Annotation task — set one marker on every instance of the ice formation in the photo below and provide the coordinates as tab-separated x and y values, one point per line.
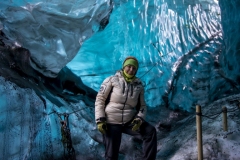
55	54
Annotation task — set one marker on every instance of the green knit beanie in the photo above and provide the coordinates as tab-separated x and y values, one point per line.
131	61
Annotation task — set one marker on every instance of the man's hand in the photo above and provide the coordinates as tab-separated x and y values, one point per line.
136	124
102	127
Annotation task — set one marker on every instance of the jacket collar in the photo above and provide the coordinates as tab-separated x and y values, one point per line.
120	74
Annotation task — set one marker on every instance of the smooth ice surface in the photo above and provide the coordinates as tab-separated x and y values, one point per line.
52	30
55	54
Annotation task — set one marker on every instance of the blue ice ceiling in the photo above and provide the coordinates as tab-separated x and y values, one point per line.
63	50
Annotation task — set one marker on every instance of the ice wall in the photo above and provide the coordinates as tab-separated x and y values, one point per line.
230	55
176	42
183	61
53	31
30	128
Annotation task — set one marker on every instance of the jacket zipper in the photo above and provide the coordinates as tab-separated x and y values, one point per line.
125	102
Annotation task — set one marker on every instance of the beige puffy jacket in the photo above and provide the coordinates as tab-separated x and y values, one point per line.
123	100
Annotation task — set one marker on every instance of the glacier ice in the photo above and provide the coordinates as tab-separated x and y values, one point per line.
55	54
53	31
163	37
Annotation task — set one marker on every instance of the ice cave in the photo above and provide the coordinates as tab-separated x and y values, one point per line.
54	55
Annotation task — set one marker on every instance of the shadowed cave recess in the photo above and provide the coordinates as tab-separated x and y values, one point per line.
54	56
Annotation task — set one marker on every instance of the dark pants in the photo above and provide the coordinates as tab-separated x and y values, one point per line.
112	140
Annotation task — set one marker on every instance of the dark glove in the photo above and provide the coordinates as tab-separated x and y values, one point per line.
102	127
136	124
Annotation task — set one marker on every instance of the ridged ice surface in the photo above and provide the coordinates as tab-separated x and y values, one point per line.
176	44
55	54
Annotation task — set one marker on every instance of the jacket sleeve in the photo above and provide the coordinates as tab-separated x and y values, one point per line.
143	108
101	98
